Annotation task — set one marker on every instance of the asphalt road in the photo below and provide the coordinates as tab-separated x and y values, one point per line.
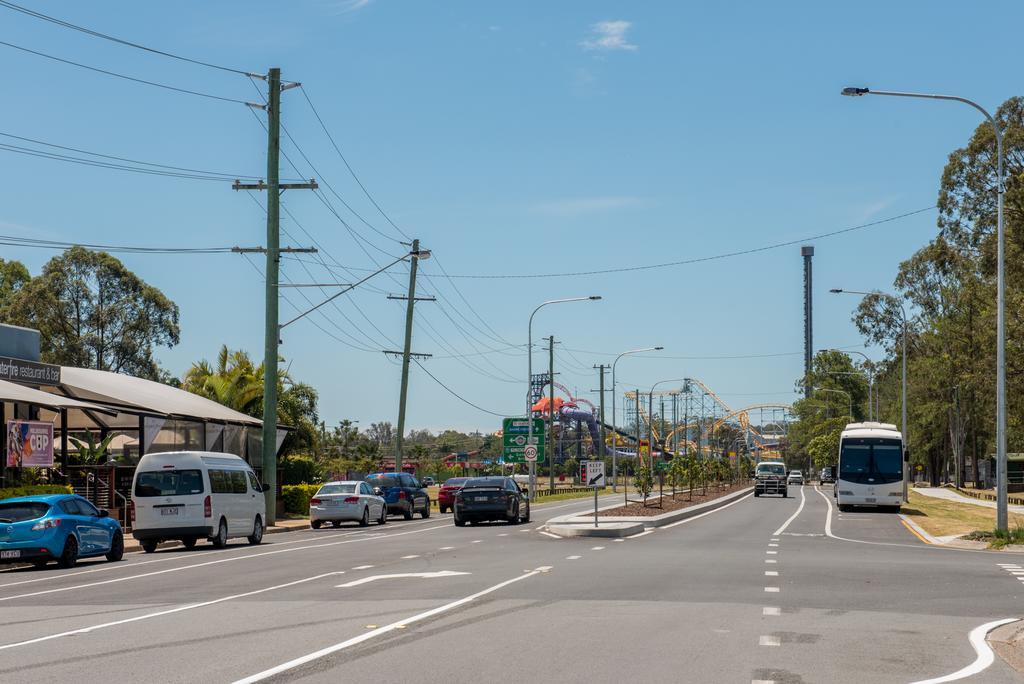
856	598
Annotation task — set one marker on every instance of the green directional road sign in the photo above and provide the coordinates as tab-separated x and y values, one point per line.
515	431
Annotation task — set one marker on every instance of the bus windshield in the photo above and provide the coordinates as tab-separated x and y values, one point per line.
871	460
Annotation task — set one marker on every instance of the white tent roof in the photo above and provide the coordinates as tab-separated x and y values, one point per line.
15	393
146	396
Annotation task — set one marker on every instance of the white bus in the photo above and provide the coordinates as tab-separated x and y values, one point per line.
870	467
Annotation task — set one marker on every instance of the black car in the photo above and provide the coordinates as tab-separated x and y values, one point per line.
401	492
491	498
828	474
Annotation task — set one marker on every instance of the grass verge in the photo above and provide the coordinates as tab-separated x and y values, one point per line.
940	518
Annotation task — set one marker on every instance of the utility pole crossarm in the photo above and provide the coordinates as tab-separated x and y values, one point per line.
311	185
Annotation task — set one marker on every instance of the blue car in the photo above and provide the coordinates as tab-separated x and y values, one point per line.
56	527
401	492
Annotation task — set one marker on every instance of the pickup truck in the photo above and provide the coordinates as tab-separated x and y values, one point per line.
770	478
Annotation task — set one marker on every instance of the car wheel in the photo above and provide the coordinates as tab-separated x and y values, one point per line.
364	521
69	556
843	508
116	552
785	494
426	509
257	531
459	522
525	518
149	545
757	493
514	518
189	542
383	516
221	540
40	562
408	514
315	524
335	523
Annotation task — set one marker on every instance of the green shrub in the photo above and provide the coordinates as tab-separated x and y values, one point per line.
300	469
296	497
33	490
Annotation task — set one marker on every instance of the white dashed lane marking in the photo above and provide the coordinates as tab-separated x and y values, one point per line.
410	557
772	590
772	553
771	573
770	560
769	640
573	557
773	545
597	548
362	567
771	610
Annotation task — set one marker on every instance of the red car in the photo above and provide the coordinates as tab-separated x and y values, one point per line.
446	495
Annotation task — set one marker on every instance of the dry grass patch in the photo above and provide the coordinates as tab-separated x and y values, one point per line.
940	517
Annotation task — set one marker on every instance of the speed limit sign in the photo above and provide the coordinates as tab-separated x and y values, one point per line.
530	453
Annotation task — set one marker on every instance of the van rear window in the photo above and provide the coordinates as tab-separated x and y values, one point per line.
168	483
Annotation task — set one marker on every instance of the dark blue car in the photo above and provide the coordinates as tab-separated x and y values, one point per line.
56	527
401	492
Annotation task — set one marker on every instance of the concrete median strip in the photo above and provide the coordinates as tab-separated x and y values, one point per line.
582	525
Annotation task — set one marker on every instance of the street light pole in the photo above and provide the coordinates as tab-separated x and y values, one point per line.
1001	497
870	373
529	379
615	433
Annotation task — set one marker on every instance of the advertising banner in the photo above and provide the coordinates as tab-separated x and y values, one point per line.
29	444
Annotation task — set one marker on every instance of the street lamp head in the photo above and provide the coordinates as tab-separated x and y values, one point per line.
420	254
836	290
594	298
856	92
658	348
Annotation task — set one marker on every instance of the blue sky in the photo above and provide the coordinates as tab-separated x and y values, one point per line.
511	138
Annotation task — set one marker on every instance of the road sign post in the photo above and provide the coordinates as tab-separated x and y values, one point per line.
593	472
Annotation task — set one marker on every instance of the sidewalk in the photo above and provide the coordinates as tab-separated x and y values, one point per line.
132	545
952	495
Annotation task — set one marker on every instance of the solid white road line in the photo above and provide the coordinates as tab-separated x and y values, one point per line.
769	640
216	562
771	610
548	534
169	611
985	655
399	575
645	532
803	500
316	655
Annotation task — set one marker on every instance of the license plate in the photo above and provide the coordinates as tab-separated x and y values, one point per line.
168	511
869	499
10	554
481	498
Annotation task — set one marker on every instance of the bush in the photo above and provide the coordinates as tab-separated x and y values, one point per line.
33	490
296	497
299	469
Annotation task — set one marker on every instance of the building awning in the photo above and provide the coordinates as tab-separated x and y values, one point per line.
20	394
137	395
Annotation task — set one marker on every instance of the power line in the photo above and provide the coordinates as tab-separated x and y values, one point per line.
456	394
18	241
709	358
349	166
167	169
124	76
104	36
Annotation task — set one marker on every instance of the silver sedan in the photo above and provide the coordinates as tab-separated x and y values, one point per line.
336	502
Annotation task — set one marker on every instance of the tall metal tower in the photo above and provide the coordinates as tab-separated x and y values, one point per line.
807	252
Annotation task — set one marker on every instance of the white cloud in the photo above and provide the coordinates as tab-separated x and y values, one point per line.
579	206
608	36
346	6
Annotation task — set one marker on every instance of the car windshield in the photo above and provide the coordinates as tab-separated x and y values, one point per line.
484	482
383	481
347	488
168	483
871	459
455	481
19	511
771	469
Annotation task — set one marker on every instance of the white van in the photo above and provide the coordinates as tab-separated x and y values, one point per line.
192	495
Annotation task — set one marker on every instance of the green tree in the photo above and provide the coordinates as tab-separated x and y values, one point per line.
13	277
643	480
93	312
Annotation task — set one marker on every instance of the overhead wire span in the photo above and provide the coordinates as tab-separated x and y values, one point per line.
158	169
348	166
456	394
17	241
104	36
125	76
